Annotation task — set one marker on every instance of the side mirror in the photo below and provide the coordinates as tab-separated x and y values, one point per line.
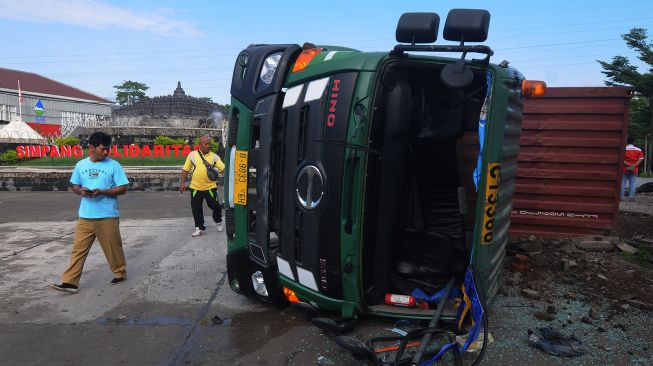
467	25
418	28
463	25
456	76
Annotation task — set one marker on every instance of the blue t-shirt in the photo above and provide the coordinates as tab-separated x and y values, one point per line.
103	174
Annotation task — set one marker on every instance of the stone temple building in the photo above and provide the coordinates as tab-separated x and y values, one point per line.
176	116
176	110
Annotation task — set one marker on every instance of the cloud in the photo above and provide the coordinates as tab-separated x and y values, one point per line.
96	15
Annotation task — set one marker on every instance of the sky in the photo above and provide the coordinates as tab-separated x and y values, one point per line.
96	44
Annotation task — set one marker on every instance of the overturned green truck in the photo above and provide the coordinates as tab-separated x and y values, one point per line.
355	175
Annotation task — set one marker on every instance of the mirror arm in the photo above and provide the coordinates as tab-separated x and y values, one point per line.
401	48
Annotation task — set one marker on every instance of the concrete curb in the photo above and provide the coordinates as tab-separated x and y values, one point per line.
57	179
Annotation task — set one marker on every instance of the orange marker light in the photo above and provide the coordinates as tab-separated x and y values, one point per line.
305	58
290	295
395	348
533	88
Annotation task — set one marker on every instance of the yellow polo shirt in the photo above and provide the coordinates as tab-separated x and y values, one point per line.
200	180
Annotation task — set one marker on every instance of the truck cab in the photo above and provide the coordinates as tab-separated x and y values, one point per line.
353	175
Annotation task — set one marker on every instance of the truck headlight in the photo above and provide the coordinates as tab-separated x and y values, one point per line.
258	283
270	67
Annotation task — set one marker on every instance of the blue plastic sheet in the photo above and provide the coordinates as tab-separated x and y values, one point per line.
421	295
482	122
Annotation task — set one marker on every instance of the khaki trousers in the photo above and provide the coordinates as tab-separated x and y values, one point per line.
107	232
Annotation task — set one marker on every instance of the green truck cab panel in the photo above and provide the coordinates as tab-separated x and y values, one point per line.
333	60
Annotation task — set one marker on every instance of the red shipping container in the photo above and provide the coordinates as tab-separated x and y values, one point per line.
569	164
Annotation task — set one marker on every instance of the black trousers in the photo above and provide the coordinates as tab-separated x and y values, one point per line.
197	201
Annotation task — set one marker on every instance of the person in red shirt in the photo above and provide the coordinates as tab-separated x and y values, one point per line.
633	157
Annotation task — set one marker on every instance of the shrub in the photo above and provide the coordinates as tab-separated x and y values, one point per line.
9	157
70	140
165	140
214	145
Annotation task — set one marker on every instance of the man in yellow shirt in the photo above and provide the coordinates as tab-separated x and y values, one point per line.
201	187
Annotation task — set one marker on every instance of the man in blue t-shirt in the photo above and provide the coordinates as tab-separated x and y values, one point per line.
99	180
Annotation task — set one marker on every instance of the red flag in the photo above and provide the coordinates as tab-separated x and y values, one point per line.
20	94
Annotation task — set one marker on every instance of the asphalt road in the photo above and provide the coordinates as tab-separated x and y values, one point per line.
175	307
62	206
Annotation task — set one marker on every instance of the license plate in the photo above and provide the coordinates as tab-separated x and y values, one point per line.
240	178
491	198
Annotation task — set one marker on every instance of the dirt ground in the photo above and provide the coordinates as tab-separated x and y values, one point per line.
611	275
586	287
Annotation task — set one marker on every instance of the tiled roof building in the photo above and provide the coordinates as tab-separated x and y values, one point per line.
50	107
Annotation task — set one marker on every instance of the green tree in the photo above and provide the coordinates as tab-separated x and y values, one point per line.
206	99
130	92
620	72
640	114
